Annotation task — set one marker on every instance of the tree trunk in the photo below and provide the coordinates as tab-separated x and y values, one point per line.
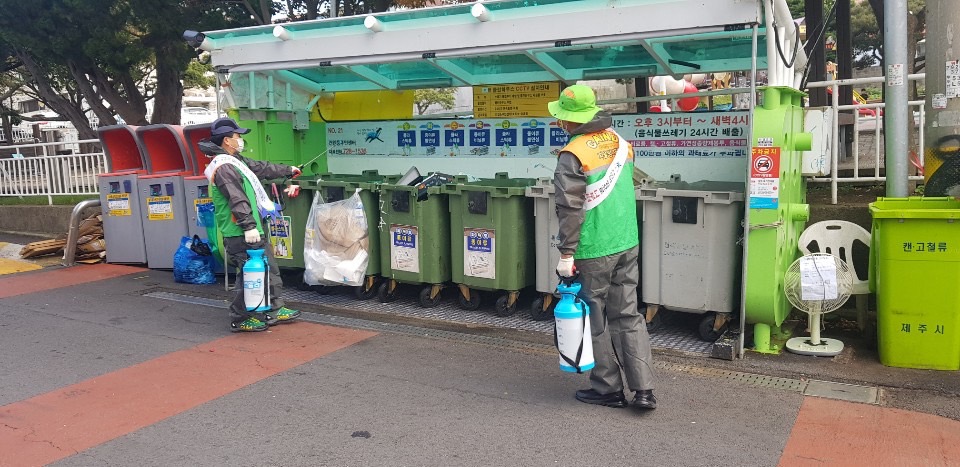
313	8
169	96
54	99
104	115
265	11
7	126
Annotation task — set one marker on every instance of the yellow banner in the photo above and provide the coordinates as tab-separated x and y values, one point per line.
514	100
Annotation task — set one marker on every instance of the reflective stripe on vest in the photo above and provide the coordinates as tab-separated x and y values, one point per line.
600	189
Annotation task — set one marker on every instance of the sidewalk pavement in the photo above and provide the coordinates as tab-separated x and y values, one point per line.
99	369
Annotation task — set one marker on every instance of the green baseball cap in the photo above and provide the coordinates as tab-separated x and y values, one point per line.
576	104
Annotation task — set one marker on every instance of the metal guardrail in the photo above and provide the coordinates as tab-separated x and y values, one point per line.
868	119
70	249
37	170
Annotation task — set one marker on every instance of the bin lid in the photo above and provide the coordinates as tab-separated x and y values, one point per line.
915	207
710	191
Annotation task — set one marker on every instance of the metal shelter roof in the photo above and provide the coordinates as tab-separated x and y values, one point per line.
498	42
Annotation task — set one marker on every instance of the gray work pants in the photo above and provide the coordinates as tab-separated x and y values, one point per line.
237	253
620	340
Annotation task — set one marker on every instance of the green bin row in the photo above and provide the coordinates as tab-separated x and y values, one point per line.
477	235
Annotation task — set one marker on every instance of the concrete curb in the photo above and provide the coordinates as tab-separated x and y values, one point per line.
38	220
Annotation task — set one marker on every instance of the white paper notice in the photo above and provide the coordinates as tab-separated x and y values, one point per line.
953	79
939	101
895	74
818	278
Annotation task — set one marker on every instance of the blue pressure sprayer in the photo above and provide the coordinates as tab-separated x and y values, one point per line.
572	333
256	291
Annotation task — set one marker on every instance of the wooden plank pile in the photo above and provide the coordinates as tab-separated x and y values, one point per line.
91	248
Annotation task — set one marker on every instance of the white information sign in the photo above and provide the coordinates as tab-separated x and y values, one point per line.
895	74
479	253
939	101
404	248
715	135
953	79
818	278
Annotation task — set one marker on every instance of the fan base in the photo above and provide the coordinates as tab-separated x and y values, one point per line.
827	347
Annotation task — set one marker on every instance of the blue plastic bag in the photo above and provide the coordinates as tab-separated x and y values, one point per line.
190	267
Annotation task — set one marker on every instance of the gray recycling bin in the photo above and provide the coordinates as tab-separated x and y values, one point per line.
119	195
690	256
547	255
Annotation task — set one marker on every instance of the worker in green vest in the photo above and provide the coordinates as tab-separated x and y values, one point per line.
240	207
598	238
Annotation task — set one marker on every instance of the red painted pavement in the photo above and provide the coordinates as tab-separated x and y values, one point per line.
19	284
830	432
61	423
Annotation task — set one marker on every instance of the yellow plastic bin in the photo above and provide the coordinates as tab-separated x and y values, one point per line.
915	272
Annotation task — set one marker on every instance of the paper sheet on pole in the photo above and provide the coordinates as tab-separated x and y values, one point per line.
895	74
818	278
953	79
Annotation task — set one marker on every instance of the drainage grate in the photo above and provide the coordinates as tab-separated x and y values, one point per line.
827	389
677	336
749	379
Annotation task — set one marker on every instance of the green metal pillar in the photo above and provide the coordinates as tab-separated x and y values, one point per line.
774	229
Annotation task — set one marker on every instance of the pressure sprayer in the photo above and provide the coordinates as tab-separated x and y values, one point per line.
256	293
572	334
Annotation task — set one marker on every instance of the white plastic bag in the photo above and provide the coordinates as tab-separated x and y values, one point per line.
335	244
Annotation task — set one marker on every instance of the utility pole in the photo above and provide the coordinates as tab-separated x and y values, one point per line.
818	66
942	106
897	114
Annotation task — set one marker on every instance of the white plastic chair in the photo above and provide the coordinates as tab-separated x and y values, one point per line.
837	238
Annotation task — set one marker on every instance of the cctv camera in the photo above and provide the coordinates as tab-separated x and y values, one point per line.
197	40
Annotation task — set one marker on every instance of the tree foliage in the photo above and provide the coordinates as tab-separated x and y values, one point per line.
198	75
424	98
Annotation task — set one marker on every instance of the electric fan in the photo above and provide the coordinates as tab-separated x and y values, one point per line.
816	284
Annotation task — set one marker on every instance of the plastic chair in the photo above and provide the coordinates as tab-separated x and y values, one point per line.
837	238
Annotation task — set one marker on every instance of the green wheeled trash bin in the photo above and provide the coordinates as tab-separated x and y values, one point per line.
287	232
414	241
915	272
491	240
337	187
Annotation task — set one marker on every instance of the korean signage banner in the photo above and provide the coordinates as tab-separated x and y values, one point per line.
698	135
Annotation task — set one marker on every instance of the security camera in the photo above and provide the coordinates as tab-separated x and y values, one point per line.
197	39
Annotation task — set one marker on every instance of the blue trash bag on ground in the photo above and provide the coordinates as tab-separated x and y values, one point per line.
194	263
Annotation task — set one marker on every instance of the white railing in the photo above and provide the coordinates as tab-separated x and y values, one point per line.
20	135
867	124
36	170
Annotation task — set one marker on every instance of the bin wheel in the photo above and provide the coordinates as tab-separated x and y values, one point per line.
425	300
473	304
537	311
706	330
364	293
501	308
656	323
384	294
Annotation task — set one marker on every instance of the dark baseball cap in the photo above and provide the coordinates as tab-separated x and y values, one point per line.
226	126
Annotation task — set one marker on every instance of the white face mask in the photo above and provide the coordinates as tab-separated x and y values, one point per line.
239	144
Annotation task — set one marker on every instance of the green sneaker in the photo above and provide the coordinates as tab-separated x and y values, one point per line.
283	315
250	324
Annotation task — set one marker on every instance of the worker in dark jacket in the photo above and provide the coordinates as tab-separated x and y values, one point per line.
240	207
597	213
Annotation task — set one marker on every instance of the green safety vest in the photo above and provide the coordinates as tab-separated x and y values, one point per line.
611	226
221	205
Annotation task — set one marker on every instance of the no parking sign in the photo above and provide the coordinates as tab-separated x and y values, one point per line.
764	177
